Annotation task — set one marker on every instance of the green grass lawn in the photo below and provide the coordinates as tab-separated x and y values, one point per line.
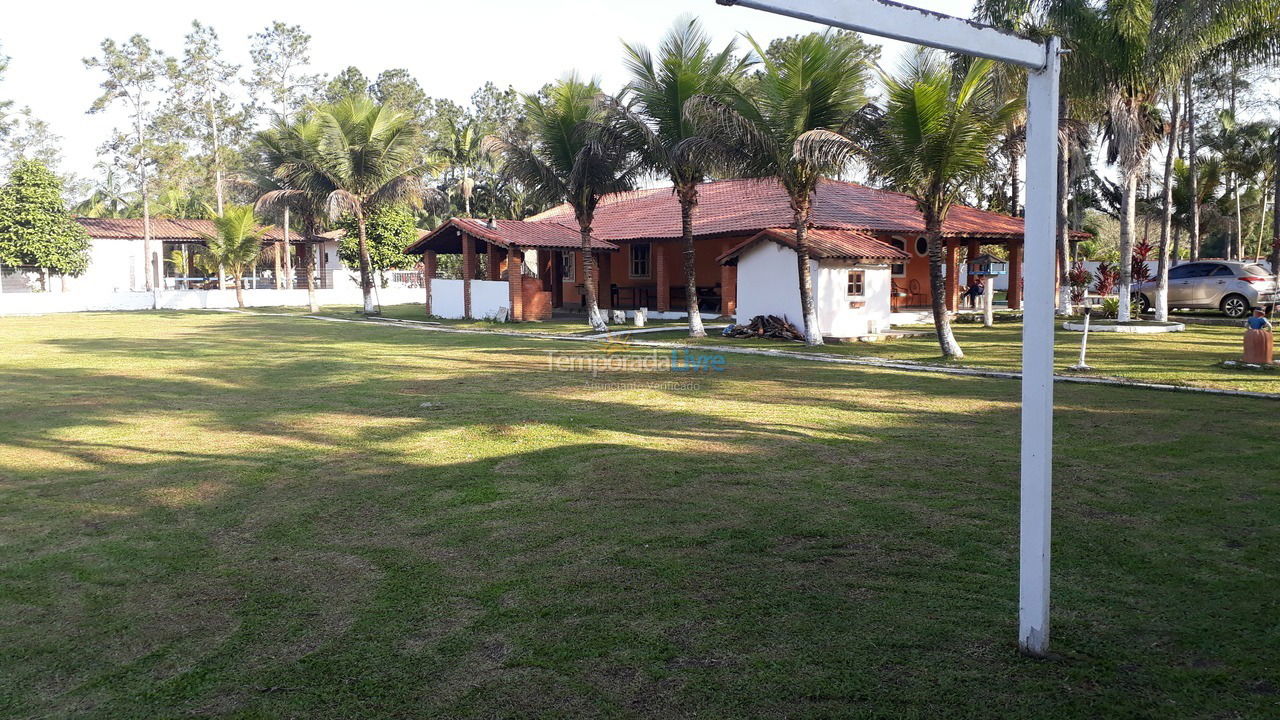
212	514
1191	357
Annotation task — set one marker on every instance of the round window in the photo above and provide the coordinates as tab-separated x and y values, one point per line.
922	245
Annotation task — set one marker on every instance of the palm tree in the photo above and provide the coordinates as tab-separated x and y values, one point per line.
288	143
655	124
575	158
355	152
465	152
236	244
814	84
1128	54
932	138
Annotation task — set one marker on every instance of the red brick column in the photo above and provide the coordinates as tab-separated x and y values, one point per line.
728	289
604	279
953	273
1015	276
973	251
515	281
428	272
546	265
492	265
468	272
660	277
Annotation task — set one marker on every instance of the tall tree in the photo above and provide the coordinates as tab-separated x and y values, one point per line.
573	158
813	83
133	73
360	154
351	82
235	244
35	228
653	120
278	81
933	136
201	103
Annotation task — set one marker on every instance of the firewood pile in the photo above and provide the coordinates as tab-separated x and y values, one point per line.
766	326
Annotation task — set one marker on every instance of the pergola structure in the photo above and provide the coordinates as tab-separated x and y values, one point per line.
1043	64
504	243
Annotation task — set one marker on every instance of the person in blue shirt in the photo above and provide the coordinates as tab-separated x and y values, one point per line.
1259	320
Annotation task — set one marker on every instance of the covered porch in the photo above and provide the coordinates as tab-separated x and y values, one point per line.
910	289
530	269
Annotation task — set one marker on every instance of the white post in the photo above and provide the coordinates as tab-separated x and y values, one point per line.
1037	354
1084	343
988	300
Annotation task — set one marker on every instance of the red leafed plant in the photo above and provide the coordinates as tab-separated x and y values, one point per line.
1079	279
1139	271
1106	281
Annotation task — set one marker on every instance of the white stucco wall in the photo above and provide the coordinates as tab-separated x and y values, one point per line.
487	297
835	317
768	285
81	301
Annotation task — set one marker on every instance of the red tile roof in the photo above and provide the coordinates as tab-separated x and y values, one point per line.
506	233
824	244
736	206
172	229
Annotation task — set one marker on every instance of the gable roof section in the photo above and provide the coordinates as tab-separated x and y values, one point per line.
505	233
172	229
823	245
735	206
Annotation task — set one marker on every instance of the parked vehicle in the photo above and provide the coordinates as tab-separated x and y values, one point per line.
1235	288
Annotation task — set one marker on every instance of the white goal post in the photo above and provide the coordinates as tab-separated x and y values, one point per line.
1041	59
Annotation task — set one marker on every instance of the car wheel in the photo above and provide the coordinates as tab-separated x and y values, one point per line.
1144	303
1235	306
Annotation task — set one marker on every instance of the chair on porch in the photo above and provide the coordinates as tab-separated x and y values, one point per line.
897	296
915	296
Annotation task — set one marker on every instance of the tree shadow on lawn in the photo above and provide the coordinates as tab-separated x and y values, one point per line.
531	547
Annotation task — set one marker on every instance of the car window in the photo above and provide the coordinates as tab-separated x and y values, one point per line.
1222	271
1180	272
1194	270
1257	270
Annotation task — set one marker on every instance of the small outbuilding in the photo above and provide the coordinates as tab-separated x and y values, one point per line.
851	274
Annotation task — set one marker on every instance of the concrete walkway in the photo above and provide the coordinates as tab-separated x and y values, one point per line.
903	365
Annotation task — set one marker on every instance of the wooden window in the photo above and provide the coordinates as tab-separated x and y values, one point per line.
639	267
857	283
566	265
856	291
898	269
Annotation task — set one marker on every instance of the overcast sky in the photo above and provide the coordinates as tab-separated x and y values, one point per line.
451	47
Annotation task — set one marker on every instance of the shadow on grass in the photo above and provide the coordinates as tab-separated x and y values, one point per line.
259	518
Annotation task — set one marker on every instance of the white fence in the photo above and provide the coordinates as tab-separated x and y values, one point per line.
60	302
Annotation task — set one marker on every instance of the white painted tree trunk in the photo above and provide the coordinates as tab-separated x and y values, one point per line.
1128	201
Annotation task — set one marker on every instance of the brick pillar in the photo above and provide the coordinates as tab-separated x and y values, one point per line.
515	281
492	264
604	279
429	264
557	279
1015	276
973	251
468	272
728	290
660	277
953	274
546	266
